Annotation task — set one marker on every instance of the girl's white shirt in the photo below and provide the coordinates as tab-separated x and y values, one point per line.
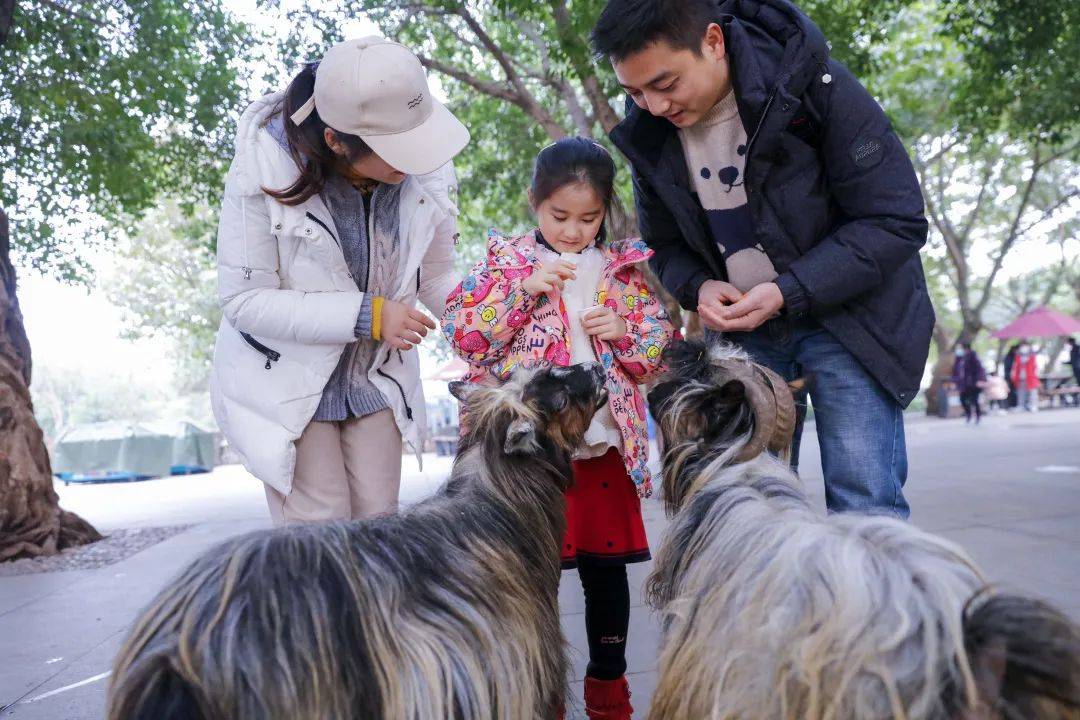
579	296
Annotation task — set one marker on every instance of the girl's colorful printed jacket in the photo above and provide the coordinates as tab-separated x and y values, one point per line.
496	326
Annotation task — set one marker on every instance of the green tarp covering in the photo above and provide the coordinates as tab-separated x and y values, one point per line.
151	449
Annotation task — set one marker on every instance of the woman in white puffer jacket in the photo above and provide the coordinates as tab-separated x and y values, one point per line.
338	215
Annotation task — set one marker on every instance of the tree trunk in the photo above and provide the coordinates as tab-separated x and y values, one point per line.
7	11
942	369
1053	352
31	521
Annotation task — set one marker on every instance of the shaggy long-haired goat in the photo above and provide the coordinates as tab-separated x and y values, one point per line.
448	610
774	611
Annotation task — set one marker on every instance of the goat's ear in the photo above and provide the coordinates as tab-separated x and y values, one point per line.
557	401
520	438
1024	654
727	396
725	410
461	389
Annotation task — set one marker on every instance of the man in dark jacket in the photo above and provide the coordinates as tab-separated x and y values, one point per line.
782	208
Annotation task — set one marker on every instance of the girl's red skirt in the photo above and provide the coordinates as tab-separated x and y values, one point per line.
603	515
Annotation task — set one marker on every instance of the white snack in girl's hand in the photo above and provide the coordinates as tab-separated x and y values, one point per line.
586	311
572	258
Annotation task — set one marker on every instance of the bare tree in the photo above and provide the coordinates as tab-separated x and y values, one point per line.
987	200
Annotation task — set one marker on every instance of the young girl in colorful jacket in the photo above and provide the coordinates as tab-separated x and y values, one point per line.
564	294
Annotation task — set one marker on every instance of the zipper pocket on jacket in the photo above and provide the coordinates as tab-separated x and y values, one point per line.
270	355
408	410
311	216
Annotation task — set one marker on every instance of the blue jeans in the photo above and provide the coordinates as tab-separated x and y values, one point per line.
860	427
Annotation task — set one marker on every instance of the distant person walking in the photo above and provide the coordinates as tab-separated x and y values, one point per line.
1025	377
997	392
969	376
1007	368
1074	363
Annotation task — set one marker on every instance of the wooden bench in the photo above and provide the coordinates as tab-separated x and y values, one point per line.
1060	393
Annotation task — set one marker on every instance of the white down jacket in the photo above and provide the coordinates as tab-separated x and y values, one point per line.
290	306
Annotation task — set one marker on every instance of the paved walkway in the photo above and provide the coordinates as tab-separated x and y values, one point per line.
1008	491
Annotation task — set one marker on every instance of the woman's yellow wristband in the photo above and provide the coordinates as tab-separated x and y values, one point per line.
376	318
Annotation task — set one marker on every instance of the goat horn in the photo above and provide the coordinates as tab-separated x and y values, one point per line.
770	401
784	404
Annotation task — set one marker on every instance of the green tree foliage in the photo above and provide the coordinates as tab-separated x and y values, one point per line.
1021	57
103	104
520	73
166	282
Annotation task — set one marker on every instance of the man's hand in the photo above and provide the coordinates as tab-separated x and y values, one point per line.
604	323
713	297
758	305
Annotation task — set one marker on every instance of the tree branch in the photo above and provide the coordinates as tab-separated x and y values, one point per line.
578	53
582	121
953	248
1048	212
72	13
1058	155
526	99
424	8
1010	239
940	178
945	147
975	211
1055	282
487	87
528	29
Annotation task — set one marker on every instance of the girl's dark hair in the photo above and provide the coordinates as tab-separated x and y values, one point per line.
307	144
574	160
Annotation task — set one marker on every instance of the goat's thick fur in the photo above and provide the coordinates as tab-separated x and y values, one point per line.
448	610
772	610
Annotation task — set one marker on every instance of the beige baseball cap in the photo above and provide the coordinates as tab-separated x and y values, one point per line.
377	89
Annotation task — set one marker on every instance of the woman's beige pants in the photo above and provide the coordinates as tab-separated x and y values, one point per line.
344	470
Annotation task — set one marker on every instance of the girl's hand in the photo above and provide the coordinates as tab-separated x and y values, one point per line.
403	326
546	278
603	323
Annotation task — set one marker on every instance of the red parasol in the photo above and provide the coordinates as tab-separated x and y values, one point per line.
1040	322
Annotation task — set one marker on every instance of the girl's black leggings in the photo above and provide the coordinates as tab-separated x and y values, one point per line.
607	618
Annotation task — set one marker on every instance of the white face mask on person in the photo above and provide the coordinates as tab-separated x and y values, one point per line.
1025	349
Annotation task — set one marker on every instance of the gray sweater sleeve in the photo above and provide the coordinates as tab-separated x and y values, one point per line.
363	320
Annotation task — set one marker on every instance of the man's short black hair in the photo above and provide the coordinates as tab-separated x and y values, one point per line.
625	27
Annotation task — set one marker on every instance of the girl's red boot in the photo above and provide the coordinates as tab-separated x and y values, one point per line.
607	699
